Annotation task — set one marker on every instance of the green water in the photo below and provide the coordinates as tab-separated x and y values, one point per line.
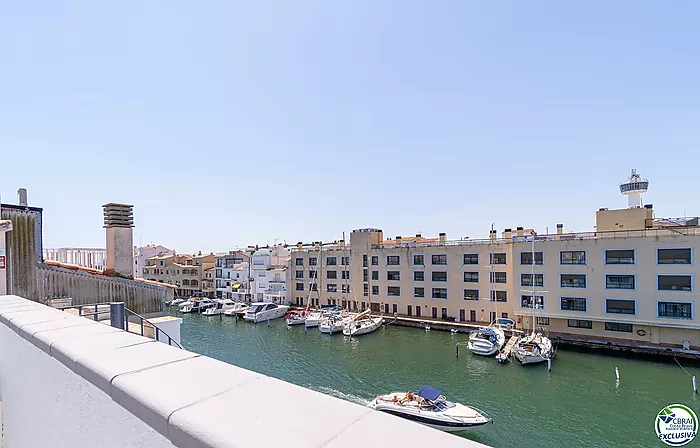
577	404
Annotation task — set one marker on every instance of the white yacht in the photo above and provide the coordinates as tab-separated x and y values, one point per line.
334	324
296	317
313	318
430	408
196	305
263	311
239	309
363	323
532	348
178	301
221	306
486	341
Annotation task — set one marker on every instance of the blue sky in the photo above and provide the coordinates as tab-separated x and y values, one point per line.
232	123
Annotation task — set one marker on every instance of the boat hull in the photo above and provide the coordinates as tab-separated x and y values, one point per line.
266	315
458	417
441	425
350	330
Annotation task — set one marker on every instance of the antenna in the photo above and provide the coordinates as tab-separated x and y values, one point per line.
633	189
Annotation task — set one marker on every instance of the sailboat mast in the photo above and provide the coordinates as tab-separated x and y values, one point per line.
345	268
534	285
492	279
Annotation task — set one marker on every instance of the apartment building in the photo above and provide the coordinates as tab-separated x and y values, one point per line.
187	272
321	273
632	279
226	274
142	254
269	274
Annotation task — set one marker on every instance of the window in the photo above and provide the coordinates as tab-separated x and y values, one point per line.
331	261
393	275
365	292
471	294
313	274
418	260
499	258
439	259
526	258
332	275
673	256
526	280
375	290
576	323
526	301
499	296
440	276
392	260
345	288
497	277
345	275
419	292
471	277
299	274
300	286
393	291
619	281
439	293
313	287
331	287
573	280
364	260
677	310
375	260
573	304
345	261
675	283
418	276
312	261
620	306
364	275
543	321
616	326
470	259
619	256
572	257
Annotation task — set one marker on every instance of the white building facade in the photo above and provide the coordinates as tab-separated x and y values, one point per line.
141	254
269	274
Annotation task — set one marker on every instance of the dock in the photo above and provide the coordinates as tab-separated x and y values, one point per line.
509	345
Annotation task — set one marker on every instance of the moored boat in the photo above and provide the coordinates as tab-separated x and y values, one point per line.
429	407
220	307
532	348
263	311
296	317
361	324
486	341
239	309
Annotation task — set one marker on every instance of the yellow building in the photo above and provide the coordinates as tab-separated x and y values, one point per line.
632	279
187	272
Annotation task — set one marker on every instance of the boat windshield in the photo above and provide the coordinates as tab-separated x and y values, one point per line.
257	308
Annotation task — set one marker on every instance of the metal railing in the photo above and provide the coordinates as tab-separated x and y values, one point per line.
119	318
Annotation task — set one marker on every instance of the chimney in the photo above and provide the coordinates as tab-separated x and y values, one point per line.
442	238
317	244
560	229
520	232
22	193
341	243
493	235
118	223
508	234
398	237
299	245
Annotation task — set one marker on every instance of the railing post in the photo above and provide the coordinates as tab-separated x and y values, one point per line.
117	315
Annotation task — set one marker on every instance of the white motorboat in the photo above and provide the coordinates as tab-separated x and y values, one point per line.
361	324
178	302
533	348
334	324
486	341
196	305
429	407
220	307
239	309
263	311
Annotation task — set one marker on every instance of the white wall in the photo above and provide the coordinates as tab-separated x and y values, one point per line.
46	405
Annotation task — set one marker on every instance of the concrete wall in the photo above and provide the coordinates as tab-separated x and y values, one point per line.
23	247
85	288
69	382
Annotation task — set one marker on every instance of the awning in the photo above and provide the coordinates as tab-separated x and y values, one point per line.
236	286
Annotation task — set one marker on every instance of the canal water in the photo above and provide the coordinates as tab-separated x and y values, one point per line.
578	404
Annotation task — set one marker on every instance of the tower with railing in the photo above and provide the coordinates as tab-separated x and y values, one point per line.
633	189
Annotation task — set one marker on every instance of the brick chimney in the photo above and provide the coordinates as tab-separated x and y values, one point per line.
118	223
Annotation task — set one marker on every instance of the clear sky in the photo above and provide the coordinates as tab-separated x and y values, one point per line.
233	123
